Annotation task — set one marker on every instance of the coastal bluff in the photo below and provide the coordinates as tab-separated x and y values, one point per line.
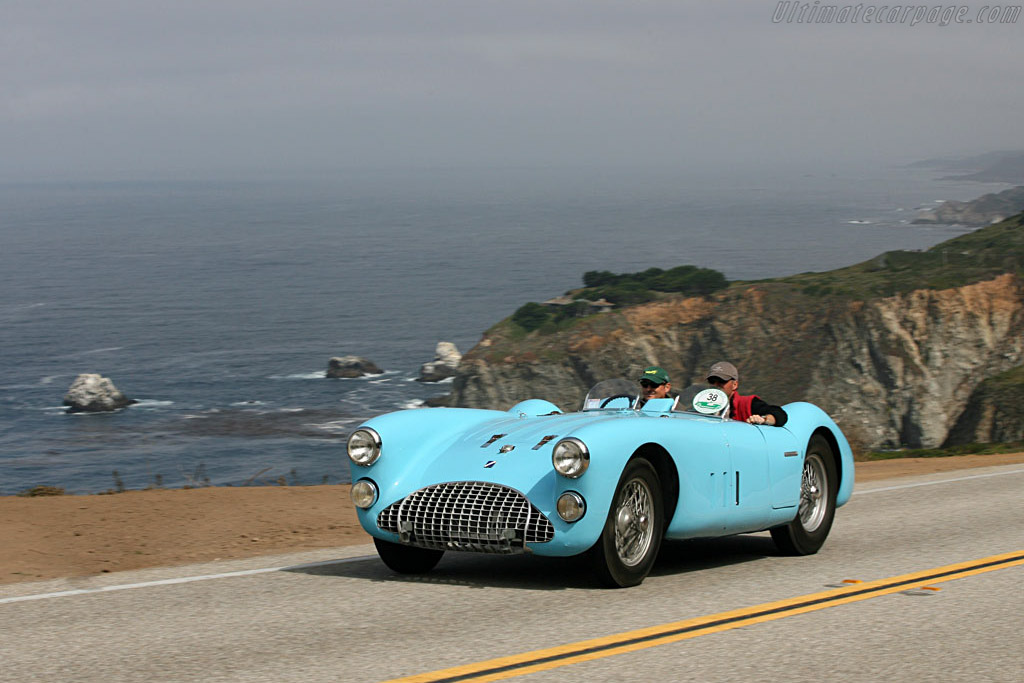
984	210
897	349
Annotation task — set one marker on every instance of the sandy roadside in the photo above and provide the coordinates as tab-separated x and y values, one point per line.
65	536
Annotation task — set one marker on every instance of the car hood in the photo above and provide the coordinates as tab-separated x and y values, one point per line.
511	449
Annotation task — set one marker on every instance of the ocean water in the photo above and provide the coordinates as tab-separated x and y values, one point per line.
218	304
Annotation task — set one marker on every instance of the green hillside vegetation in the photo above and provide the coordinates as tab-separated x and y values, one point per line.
628	288
622	289
974	257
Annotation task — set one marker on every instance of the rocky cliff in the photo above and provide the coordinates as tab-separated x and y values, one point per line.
894	369
994	412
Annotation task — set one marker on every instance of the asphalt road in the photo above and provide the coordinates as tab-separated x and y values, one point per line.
342	616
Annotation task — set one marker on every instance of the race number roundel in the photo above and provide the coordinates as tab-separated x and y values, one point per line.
710	401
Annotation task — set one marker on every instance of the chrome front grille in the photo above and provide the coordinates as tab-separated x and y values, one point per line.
467	515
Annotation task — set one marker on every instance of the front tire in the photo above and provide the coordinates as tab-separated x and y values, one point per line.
407	559
629	543
819	484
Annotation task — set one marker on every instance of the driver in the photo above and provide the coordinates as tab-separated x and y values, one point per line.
750	409
654	383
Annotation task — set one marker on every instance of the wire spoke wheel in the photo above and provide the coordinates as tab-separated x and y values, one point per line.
819	484
813	487
629	542
633	528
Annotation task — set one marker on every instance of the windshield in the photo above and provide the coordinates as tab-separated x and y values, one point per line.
612	394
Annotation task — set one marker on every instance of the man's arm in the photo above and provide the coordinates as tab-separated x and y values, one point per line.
778	415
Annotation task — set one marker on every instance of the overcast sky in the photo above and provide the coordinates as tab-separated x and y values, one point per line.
112	89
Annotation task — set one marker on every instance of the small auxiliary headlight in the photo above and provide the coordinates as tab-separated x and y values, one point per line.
364	446
571	506
364	493
570	458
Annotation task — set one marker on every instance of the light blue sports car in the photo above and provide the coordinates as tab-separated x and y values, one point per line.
610	480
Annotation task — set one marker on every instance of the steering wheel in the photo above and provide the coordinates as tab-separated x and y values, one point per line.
612	398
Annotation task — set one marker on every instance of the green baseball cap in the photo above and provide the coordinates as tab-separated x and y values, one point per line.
655	374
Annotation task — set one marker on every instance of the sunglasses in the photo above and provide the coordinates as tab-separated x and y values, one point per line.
647	384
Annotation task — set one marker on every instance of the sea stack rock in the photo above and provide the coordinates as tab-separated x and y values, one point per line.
91	393
446	362
351	366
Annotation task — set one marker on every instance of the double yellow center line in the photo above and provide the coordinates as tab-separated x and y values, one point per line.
631	641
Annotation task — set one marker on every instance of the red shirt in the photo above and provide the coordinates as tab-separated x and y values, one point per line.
740	406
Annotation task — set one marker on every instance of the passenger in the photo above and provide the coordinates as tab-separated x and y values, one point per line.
744	408
654	383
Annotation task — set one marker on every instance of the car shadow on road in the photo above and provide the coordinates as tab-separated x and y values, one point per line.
532	572
471	570
681	557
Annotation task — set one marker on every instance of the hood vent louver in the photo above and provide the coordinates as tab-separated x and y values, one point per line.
491	440
545	440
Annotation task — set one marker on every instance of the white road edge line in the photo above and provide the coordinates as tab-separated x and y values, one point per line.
940	481
267	570
184	579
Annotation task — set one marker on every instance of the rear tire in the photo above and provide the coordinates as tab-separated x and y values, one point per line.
629	543
407	559
819	484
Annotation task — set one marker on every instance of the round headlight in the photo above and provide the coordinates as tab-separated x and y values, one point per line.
570	458
571	506
364	446
364	493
